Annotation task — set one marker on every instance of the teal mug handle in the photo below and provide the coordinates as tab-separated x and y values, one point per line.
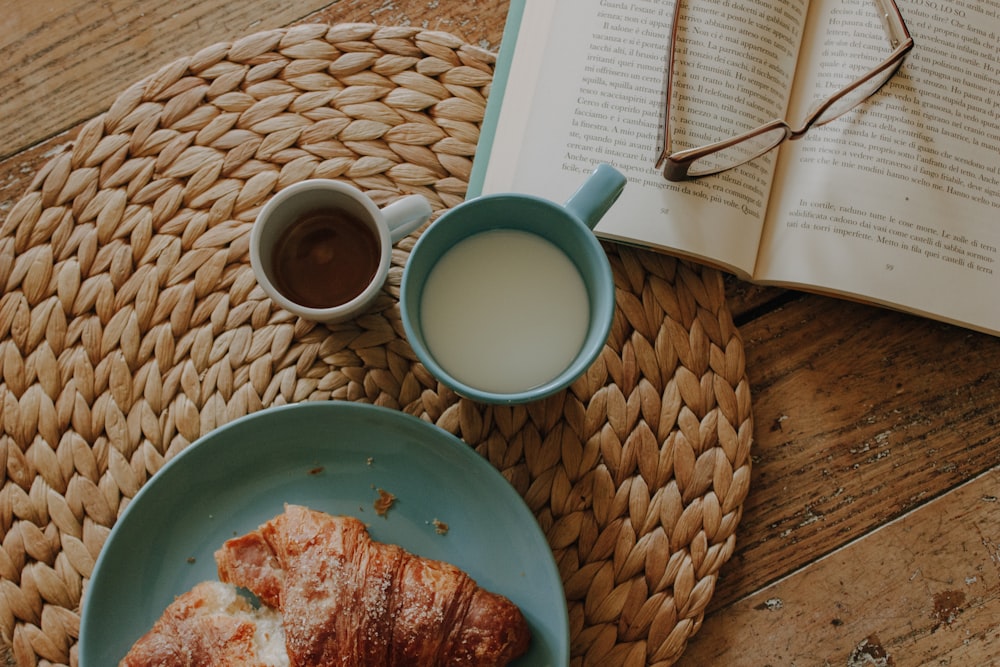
593	199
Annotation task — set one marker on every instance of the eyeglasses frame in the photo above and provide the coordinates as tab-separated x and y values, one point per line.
676	165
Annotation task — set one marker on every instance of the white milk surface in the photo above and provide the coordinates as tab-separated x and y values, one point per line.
504	311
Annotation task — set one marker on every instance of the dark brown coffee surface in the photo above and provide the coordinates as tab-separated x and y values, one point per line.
325	259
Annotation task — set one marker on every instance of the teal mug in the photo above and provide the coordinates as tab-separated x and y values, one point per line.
509	298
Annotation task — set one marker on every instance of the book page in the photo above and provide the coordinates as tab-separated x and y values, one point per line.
898	201
586	85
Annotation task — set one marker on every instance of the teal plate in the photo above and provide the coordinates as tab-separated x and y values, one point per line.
330	456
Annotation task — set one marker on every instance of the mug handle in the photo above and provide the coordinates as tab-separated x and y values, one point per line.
593	199
406	215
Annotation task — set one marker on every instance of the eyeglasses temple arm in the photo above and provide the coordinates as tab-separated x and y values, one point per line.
668	92
892	22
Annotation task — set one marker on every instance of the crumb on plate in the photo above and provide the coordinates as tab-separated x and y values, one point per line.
384	502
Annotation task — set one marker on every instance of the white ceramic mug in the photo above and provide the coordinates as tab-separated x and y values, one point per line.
321	249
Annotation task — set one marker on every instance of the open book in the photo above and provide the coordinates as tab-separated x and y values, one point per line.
895	203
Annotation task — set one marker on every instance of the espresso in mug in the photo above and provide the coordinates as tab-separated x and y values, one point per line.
325	258
504	310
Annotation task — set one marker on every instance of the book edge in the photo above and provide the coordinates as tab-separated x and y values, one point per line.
498	89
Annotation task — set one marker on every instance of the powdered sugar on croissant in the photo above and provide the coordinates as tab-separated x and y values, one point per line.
348	600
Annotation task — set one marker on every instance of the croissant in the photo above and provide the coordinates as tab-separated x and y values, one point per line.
211	626
348	600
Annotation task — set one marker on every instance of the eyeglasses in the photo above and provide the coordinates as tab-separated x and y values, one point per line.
722	155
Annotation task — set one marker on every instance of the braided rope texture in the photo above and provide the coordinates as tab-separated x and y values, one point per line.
131	324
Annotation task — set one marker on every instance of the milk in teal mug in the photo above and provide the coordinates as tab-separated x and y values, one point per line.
508	298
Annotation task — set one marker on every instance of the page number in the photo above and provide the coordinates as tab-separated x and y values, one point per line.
890	267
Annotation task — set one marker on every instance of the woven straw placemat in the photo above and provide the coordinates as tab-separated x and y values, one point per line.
131	324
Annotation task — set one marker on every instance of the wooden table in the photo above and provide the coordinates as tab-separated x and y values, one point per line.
871	533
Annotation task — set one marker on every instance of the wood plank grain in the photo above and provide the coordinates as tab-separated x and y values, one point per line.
922	590
746	300
66	61
862	414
